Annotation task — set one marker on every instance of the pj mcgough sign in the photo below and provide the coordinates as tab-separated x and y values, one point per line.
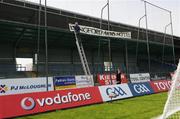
99	32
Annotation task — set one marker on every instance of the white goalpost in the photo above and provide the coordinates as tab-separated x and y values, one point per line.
172	106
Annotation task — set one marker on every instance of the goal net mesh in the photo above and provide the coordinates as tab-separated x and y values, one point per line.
172	106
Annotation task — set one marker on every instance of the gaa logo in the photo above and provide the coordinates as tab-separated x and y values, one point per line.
115	92
28	103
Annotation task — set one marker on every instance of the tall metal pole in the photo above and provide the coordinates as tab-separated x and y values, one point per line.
149	63
38	42
164	42
46	43
174	57
137	42
170	23
127	64
109	43
99	47
102	14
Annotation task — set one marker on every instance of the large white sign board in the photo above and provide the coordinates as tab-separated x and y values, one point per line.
25	85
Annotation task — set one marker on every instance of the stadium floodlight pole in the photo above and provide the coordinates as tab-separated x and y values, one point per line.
38	42
147	39
137	43
46	45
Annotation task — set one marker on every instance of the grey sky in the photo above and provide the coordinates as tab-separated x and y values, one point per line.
126	11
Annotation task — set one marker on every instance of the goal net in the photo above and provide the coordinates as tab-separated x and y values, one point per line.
172	106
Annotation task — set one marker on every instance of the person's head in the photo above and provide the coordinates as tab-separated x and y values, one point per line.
76	23
118	70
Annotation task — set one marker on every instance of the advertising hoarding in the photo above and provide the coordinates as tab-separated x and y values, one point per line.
160	85
115	92
138	89
64	82
141	77
31	103
25	85
84	81
105	79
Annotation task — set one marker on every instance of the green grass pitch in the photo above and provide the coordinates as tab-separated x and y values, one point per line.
144	107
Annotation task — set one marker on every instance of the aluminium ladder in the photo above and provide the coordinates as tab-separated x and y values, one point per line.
82	56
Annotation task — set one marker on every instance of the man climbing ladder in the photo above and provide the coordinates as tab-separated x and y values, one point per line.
81	50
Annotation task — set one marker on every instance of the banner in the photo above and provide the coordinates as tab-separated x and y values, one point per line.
138	89
84	81
25	85
99	32
141	77
23	104
158	76
63	82
161	85
115	92
105	79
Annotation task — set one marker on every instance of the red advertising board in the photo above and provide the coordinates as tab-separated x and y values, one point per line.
23	104
160	85
104	79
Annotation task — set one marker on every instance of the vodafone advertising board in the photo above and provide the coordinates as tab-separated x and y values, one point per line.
25	85
115	92
31	103
160	85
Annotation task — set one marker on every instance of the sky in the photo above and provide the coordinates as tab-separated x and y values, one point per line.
126	11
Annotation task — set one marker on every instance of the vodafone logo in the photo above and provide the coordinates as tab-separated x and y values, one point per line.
28	103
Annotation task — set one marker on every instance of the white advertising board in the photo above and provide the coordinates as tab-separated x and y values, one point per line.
115	92
84	81
99	32
25	85
138	78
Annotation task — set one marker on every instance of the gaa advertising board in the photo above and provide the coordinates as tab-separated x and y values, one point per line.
31	103
138	89
63	82
161	85
141	77
84	81
115	92
25	85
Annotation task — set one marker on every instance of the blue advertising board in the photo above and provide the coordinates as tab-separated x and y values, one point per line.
64	80
138	89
